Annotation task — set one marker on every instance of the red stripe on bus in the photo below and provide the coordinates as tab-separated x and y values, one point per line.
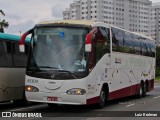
128	91
93	100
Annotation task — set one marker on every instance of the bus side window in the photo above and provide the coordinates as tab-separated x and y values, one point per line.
153	49
144	46
117	37
136	45
128	44
2	54
5	55
20	59
102	43
106	39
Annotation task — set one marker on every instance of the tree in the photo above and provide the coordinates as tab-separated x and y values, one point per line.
158	57
3	23
158	61
2	12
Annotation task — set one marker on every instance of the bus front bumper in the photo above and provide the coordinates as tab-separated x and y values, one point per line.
58	98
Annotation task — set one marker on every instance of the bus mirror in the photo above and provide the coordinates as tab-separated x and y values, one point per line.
88	45
22	40
21	48
88	48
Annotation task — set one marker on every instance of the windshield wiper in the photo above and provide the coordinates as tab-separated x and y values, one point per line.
34	68
54	68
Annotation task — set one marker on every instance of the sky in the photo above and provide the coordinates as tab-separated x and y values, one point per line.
22	15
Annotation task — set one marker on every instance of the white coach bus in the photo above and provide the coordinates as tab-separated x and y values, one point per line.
83	62
12	69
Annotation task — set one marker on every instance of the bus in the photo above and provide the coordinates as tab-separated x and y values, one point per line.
12	68
78	62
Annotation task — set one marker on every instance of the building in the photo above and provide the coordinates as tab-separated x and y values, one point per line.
74	12
155	22
132	15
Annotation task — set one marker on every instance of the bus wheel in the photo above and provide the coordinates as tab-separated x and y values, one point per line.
142	90
102	98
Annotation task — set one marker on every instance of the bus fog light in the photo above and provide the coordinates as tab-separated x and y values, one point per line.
76	92
31	89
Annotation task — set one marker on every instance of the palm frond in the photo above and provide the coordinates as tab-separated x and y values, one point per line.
1	11
4	24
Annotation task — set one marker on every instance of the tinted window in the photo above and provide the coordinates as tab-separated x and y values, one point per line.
117	40
144	46
102	43
137	45
128	42
20	59
5	54
152	49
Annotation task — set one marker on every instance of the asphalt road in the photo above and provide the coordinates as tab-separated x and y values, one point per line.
121	109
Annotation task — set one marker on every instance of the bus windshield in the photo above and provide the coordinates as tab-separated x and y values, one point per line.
58	48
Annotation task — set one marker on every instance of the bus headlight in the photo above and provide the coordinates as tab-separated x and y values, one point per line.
31	89
76	91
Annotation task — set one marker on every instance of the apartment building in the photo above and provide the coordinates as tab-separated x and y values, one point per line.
133	15
155	22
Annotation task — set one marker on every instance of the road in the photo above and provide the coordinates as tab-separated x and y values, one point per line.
121	109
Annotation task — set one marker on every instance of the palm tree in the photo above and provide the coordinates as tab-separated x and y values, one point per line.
3	23
2	12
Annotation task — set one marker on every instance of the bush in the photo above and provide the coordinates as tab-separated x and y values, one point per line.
158	72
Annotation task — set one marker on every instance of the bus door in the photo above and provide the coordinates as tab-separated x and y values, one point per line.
99	49
98	44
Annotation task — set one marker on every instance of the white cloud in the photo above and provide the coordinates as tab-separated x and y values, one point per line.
23	14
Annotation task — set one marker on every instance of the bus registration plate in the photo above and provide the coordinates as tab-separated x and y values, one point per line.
52	99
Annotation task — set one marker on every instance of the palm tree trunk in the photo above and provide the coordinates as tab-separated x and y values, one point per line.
1	29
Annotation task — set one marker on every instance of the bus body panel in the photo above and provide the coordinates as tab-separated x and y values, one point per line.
128	72
12	68
56	88
123	76
12	83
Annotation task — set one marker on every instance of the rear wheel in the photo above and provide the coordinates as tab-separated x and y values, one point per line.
142	90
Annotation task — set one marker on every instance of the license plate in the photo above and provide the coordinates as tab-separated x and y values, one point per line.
52	99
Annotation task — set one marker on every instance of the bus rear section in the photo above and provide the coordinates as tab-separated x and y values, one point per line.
12	68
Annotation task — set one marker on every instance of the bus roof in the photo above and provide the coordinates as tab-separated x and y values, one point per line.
11	37
108	25
73	22
135	33
90	23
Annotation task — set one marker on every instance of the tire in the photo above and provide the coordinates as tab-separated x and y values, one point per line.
142	90
102	99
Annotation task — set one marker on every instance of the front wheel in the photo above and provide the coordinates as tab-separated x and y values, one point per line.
102	99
